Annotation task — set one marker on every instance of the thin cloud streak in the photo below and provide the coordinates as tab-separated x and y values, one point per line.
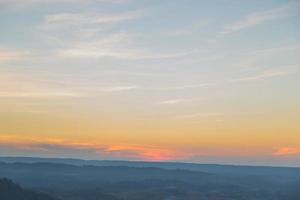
196	115
275	50
83	39
118	88
183	87
117	50
270	73
257	18
286	151
8	55
66	148
173	101
28	3
34	86
66	20
146	153
40	94
82	93
53	147
264	75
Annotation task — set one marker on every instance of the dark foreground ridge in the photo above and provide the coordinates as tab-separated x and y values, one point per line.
84	180
12	191
210	168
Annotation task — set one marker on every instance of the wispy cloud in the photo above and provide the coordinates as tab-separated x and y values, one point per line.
52	93
91	35
18	85
85	34
184	31
114	151
21	85
118	46
174	101
285	151
113	45
275	50
265	75
135	73
29	110
31	85
40	94
85	20
7	55
118	88
257	18
196	115
26	3
182	87
149	153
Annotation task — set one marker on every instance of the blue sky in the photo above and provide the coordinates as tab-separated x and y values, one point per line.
224	65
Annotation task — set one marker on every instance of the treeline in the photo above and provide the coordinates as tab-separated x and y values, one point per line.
12	191
71	182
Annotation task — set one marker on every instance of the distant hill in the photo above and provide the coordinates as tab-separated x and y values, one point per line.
76	179
208	168
63	175
88	182
12	191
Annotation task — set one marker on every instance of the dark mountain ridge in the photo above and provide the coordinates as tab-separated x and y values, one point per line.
12	191
145	180
209	168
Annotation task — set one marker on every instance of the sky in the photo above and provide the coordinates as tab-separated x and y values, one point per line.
163	80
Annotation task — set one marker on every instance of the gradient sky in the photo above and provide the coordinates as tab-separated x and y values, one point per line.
158	80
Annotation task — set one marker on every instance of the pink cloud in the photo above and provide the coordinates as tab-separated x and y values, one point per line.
57	147
282	151
148	153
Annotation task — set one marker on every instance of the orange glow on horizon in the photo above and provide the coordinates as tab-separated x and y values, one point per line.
51	147
148	153
121	151
283	151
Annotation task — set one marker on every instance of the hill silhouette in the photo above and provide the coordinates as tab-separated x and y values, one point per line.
12	191
89	182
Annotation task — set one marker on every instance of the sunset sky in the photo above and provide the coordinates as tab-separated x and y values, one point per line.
157	80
